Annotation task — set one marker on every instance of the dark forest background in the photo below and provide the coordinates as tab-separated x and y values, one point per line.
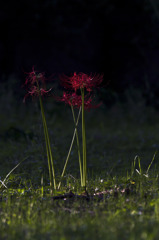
117	38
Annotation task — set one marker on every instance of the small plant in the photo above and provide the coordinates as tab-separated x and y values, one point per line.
84	84
36	88
139	170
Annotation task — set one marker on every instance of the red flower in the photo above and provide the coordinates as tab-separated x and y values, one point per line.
34	77
33	82
81	80
76	100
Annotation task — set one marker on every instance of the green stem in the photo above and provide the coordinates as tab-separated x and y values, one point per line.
84	142
69	152
78	146
47	151
48	145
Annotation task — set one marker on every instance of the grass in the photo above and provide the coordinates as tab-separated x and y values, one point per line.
132	216
129	209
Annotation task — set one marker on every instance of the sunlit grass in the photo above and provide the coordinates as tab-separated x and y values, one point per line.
133	215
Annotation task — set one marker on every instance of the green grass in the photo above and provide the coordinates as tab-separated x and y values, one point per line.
124	216
114	137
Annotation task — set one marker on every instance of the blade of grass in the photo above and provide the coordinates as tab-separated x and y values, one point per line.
11	172
139	163
133	166
151	162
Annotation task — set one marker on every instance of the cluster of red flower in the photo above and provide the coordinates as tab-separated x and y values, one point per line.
81	80
72	84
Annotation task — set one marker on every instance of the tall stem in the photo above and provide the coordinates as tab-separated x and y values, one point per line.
48	145
84	142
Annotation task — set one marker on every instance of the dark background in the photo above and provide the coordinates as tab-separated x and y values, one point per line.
117	38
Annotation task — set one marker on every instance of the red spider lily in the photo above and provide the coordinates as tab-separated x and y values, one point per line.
34	77
32	81
81	80
35	92
76	100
